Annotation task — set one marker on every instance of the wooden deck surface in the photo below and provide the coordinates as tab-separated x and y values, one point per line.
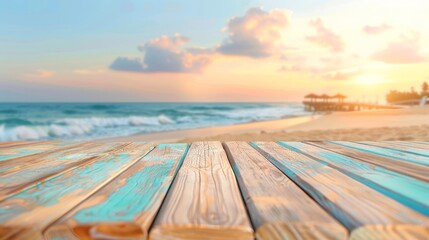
212	190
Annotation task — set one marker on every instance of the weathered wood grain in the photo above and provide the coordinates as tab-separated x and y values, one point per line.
204	201
21	143
125	207
278	208
9	143
406	190
46	166
20	163
410	144
404	167
28	149
397	232
403	148
26	214
395	154
352	203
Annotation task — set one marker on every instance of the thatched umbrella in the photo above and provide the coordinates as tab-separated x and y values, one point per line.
312	96
340	97
325	97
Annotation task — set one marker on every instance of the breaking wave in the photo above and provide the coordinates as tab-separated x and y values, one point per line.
73	127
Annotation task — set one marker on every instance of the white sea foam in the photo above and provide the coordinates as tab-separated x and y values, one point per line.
256	114
116	122
72	127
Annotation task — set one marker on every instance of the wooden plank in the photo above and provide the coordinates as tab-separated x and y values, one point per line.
20	143
278	208
19	163
406	190
204	201
355	205
410	169
27	213
403	148
410	144
49	165
11	143
399	232
395	154
29	149
126	207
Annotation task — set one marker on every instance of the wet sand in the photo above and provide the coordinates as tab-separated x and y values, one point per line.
397	124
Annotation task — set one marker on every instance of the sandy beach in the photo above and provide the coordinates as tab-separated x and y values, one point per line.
398	124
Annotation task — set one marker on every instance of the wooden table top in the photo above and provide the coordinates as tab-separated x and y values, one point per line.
214	190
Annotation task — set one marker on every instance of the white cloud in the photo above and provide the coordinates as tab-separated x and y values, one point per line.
163	54
257	34
325	37
41	73
404	50
376	29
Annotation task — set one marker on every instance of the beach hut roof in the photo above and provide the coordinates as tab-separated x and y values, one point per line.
311	95
339	95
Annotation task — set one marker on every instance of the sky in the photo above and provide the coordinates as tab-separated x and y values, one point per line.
210	51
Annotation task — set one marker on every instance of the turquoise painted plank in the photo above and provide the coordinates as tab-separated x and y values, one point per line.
4	145
134	197
9	153
402	148
406	190
30	211
354	204
410	144
403	167
394	154
47	166
23	160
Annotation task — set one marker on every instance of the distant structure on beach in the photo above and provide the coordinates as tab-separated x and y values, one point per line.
410	98
324	102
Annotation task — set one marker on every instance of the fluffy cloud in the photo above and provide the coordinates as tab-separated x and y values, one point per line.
300	64
376	29
340	76
327	67
405	50
257	34
41	73
325	37
321	72
127	64
163	54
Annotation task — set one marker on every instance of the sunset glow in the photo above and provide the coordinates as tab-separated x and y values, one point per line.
369	80
164	51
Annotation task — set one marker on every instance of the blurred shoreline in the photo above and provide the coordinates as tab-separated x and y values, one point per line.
398	124
241	128
90	121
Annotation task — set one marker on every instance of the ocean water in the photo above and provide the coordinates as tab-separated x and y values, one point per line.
86	121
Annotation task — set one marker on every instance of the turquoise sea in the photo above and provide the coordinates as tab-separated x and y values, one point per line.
86	121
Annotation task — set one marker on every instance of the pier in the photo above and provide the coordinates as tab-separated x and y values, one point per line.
343	106
324	102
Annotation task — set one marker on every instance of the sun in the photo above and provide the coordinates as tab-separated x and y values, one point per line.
369	80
